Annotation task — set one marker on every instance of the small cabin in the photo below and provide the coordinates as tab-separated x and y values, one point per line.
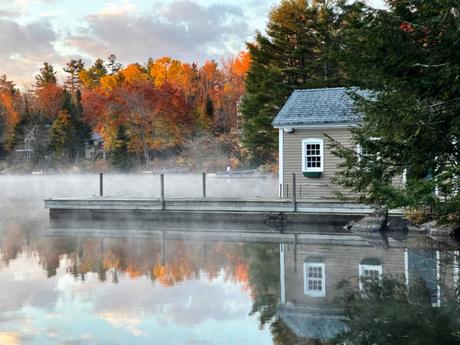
25	152
302	123
94	148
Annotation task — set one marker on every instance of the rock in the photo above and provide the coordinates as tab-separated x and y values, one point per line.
373	223
398	229
426	227
439	230
349	225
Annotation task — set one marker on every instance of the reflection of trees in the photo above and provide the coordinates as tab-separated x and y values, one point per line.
134	258
11	243
389	314
264	279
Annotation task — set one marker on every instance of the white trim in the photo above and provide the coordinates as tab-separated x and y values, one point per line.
438	279
378	268
313	141
281	161
406	267
456	270
282	276
319	125
314	293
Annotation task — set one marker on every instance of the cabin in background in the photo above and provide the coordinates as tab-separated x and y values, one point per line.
94	148
302	123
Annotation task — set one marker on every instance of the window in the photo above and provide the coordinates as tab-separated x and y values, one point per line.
314	279
312	155
364	153
370	273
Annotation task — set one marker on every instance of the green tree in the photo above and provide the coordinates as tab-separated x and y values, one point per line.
411	124
60	136
47	76
389	314
298	51
73	68
120	157
90	77
78	131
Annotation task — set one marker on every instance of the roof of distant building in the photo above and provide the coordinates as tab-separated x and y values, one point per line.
319	106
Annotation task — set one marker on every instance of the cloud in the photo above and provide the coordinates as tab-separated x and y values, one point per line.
182	29
25	47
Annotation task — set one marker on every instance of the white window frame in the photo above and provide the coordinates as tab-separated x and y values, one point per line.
304	152
314	293
363	267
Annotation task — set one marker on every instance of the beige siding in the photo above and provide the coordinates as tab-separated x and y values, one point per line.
341	263
312	187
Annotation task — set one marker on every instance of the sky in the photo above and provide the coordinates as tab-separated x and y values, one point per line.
34	31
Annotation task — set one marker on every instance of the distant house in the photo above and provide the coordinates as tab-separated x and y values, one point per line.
94	148
302	122
25	152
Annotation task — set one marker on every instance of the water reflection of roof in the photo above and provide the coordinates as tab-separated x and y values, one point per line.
312	325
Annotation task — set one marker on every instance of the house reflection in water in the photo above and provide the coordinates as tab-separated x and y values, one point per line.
312	267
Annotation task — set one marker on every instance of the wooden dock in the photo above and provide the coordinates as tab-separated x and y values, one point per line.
238	205
254	215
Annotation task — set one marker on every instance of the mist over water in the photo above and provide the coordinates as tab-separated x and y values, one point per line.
26	192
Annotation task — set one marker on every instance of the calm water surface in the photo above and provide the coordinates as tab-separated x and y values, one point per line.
127	288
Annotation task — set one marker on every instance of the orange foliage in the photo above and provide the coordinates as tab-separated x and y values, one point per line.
8	110
174	72
239	66
161	104
49	100
134	73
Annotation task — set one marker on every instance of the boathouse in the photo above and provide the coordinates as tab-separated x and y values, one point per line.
302	123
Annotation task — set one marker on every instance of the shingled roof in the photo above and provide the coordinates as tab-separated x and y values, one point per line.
319	106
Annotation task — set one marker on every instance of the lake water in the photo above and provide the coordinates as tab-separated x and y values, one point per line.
123	287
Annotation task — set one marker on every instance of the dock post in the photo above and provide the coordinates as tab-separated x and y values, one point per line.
294	196
162	191
101	184
204	185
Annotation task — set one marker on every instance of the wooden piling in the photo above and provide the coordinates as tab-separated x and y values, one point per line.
162	191
101	184
204	185
294	196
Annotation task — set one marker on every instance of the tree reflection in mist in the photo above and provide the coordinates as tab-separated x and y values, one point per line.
389	313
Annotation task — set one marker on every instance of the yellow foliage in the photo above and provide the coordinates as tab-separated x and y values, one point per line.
134	72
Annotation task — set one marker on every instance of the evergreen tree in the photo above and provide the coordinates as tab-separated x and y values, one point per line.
120	157
411	123
73	68
298	51
60	136
90	77
47	76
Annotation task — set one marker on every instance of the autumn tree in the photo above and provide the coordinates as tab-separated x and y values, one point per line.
155	117
9	114
90	77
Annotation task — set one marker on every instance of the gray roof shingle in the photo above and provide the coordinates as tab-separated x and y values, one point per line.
319	106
